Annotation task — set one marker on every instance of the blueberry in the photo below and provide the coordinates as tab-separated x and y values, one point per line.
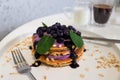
44	29
38	29
84	50
78	33
57	24
74	65
54	35
71	28
37	55
63	27
30	47
68	44
48	30
52	32
66	34
60	40
60	33
73	55
54	27
39	32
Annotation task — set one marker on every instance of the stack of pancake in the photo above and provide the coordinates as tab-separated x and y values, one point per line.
59	56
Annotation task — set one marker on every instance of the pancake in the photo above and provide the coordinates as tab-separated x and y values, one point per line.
63	51
61	63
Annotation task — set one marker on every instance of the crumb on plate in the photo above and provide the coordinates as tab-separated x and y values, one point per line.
107	62
101	75
45	77
82	76
1	76
87	69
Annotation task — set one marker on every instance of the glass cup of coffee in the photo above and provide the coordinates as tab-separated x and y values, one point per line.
102	10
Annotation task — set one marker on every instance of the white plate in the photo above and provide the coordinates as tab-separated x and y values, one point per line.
88	70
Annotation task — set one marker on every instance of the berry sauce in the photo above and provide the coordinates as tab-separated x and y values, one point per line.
84	50
73	56
36	64
74	64
30	47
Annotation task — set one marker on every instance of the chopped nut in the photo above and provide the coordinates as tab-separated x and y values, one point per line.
45	78
73	47
13	73
47	59
96	46
92	54
97	50
87	69
14	66
47	52
47	68
82	75
54	54
1	76
101	75
98	67
52	59
108	62
96	58
54	45
84	59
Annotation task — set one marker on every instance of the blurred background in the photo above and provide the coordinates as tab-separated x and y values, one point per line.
14	13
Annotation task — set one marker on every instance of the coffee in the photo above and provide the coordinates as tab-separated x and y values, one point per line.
102	13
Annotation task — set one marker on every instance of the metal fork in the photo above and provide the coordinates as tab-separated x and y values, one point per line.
22	65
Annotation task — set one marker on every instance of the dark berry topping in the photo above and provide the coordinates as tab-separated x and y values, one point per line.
54	35
61	33
74	64
60	40
48	30
68	44
30	47
84	50
52	32
37	55
57	24
40	33
73	55
44	29
36	64
71	28
78	33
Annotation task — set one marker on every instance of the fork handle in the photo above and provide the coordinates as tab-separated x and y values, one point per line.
31	76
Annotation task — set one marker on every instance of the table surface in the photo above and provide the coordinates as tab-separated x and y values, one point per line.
14	13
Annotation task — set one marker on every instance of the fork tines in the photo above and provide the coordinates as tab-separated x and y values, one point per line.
18	57
21	64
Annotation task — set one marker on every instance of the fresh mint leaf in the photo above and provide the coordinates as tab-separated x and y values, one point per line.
44	44
77	40
44	25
